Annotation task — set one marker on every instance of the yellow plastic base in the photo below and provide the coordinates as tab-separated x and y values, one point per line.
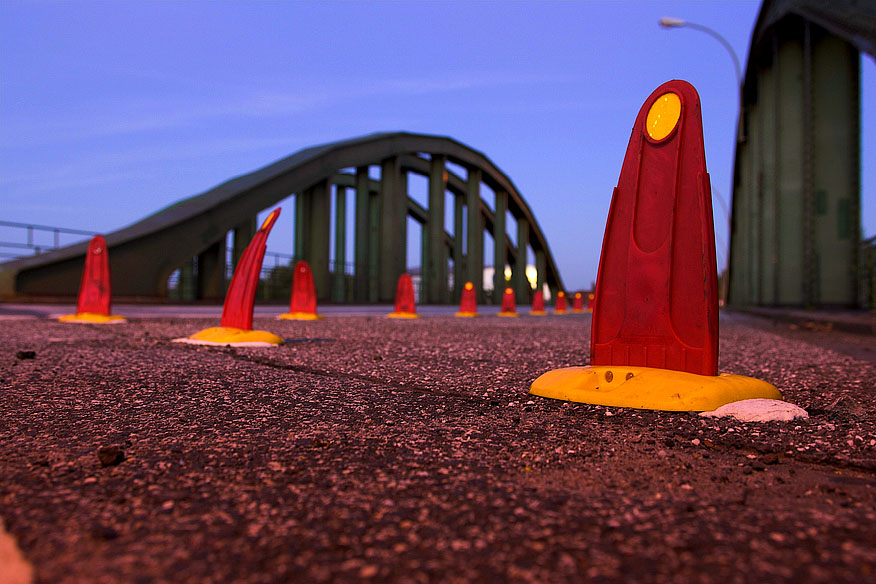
578	311
647	388
403	315
299	316
508	314
93	318
224	336
465	314
560	312
537	313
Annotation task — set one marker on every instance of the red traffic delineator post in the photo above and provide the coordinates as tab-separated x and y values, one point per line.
578	303
468	302
95	290
509	307
302	304
537	304
591	302
405	305
560	303
654	339
235	329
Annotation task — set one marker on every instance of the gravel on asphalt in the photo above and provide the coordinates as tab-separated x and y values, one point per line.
367	449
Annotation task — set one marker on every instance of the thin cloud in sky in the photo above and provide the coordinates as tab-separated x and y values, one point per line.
156	116
69	180
92	169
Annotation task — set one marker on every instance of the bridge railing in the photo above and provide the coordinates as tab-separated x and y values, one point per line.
275	280
344	279
22	239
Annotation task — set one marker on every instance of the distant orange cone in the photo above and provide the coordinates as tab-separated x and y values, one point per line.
537	304
302	305
405	306
95	290
468	304
508	305
236	326
578	303
560	304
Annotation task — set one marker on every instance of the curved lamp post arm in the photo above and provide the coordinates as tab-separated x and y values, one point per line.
668	22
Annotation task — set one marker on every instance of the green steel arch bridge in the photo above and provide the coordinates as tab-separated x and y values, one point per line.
195	231
796	236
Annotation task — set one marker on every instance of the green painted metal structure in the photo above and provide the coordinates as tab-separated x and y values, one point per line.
795	236
191	235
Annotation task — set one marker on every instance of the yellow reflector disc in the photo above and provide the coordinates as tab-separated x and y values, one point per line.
268	219
469	285
663	116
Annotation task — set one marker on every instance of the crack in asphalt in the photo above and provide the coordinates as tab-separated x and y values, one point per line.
801	459
869	471
340	375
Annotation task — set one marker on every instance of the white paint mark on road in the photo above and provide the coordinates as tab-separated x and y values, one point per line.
759	410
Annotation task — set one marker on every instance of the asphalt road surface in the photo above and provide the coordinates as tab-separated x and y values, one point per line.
369	449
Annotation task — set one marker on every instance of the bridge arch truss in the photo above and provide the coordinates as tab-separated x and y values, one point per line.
195	231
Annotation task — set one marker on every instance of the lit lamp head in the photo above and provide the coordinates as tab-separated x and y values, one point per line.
670	22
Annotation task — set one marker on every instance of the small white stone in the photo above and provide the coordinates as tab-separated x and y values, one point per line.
759	410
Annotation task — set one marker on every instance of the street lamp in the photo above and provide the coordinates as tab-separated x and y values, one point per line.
670	22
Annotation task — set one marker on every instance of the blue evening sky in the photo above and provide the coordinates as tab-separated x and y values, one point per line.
110	111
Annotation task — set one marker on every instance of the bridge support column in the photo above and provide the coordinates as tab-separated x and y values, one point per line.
522	290
374	247
424	246
365	238
241	236
500	241
302	225
540	268
435	270
458	238
474	264
393	232
319	235
759	177
754	219
187	286
790	174
836	170
211	272
339	271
